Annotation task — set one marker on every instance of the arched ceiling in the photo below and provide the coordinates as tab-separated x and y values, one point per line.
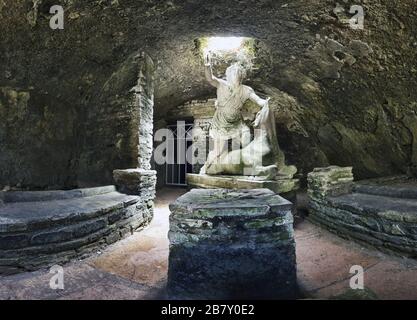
346	96
104	33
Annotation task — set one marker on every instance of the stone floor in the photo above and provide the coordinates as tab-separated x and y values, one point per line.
136	268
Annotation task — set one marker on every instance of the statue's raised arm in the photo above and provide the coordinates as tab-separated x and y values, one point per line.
209	72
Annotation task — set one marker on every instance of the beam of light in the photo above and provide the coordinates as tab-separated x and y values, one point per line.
216	44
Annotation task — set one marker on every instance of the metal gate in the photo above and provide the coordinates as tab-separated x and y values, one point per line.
176	172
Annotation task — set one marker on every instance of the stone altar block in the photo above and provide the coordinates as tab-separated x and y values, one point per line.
231	244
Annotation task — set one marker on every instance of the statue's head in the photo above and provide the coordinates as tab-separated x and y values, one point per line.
235	74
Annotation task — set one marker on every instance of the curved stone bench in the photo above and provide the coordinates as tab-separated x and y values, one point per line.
401	188
388	224
378	213
35	196
70	224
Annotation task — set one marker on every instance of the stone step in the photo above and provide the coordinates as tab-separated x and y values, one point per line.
37	196
386	223
42	233
391	208
403	191
23	216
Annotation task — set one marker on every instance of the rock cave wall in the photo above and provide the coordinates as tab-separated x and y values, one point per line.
345	97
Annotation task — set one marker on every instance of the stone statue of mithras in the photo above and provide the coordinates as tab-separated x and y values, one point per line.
259	157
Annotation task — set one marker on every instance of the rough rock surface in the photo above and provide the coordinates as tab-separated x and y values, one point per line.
228	244
346	97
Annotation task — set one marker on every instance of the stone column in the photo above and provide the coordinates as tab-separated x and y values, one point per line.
144	99
227	244
141	181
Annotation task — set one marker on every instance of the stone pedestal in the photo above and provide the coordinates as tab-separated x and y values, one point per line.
280	186
227	244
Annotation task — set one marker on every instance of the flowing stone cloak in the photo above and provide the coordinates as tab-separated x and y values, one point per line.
265	120
228	121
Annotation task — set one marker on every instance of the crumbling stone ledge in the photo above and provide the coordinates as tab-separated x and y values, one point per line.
366	213
43	233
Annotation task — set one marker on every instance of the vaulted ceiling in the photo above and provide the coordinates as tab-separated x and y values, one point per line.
346	96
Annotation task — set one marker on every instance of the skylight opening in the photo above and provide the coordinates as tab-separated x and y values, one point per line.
225	51
224	44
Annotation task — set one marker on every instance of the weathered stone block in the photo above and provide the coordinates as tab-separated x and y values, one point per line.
124	232
13	241
88	228
68	233
136	182
137	223
112	238
115	217
331	181
229	244
52	237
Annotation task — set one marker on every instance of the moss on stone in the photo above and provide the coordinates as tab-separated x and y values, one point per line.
365	294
